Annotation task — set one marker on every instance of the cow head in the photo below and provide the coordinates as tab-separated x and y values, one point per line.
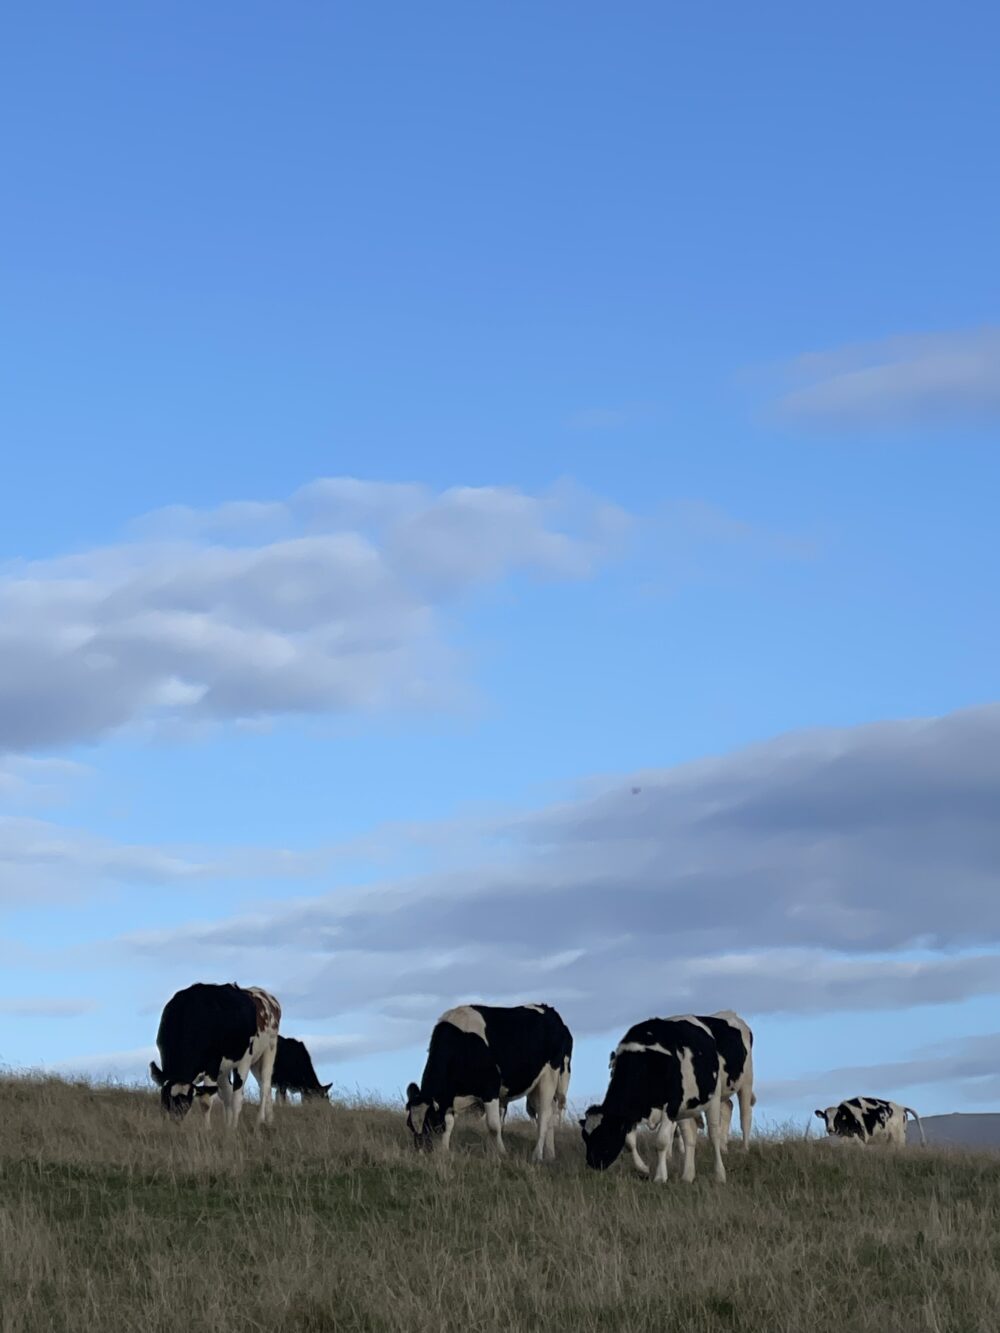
829	1118
424	1117
177	1098
603	1137
320	1093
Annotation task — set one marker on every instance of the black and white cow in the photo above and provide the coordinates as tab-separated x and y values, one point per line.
483	1057
209	1038
665	1072
294	1072
870	1120
735	1045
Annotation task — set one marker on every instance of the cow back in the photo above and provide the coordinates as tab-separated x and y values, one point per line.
203	1025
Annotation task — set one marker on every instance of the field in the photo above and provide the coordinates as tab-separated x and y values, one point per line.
112	1219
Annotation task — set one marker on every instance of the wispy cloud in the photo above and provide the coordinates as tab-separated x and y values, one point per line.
969	1064
41	860
40	1006
26	780
904	381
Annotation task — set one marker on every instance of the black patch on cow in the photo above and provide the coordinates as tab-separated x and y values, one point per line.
293	1070
520	1042
200	1027
732	1047
872	1113
237	1081
645	1080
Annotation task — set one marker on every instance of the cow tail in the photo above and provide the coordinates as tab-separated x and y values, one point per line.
908	1110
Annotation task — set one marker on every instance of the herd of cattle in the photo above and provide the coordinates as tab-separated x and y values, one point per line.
667	1074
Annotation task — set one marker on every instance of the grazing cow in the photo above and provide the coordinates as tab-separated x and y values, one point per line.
665	1071
870	1120
293	1071
735	1045
209	1038
484	1057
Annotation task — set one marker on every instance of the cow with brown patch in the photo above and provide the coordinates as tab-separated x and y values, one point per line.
210	1037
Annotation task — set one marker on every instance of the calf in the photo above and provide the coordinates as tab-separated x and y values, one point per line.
870	1120
484	1057
209	1038
665	1071
294	1072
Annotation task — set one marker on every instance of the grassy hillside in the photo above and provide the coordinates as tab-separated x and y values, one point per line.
111	1219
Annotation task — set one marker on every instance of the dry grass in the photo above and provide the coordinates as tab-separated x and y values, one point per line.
112	1219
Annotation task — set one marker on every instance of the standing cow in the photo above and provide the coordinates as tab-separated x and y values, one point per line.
294	1072
484	1057
734	1041
209	1038
870	1120
665	1072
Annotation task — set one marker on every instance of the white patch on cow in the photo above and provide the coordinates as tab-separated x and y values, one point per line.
466	1019
538	1008
263	1050
592	1121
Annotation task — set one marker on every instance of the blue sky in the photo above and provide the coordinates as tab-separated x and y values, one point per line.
660	353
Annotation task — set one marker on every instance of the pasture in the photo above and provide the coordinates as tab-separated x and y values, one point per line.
111	1218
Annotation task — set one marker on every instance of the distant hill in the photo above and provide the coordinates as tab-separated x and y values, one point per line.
958	1130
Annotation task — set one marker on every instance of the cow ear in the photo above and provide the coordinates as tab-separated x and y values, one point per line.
206	1089
156	1074
820	1114
325	1087
412	1093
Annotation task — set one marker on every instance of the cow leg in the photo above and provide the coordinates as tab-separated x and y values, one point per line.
449	1125
687	1137
205	1105
632	1144
664	1143
494	1123
265	1067
726	1110
237	1102
225	1096
746	1115
713	1115
544	1092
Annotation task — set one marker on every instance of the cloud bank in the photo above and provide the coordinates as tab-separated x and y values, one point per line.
834	870
331	601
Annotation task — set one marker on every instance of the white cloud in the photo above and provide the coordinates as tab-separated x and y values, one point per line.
329	602
795	876
910	379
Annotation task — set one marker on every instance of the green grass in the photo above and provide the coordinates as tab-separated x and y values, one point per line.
112	1219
